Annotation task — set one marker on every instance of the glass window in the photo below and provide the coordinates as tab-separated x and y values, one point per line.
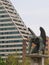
11	12
1	7
4	16
19	49
2	54
10	37
13	37
9	24
5	20
10	45
11	41
8	28
8	50
2	12
9	32
5	1
19	53
19	24
2	37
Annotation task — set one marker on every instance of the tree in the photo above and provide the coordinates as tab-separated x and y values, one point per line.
26	61
47	61
2	62
12	60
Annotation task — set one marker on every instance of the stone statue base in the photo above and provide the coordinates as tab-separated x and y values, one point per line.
37	59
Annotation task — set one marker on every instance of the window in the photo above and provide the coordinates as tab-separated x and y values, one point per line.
11	41
19	49
9	24
1	8
10	46
19	53
26	36
7	50
19	21
13	37
12	12
15	20
2	12
2	16
8	28
10	37
2	37
5	1
2	54
6	20
19	24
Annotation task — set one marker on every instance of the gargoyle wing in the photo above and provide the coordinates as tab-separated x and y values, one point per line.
32	33
43	35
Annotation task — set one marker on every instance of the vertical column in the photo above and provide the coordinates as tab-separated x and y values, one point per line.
42	63
35	61
24	51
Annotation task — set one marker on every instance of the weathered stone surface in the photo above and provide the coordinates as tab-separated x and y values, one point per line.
37	59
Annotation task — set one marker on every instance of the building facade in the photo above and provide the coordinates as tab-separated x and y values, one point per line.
12	30
47	45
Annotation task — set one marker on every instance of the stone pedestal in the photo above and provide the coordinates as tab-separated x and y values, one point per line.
37	59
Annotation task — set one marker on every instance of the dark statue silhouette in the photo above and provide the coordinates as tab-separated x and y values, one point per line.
38	41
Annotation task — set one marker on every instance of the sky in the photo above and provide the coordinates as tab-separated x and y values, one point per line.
34	13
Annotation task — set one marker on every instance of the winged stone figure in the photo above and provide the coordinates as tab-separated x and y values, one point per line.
37	43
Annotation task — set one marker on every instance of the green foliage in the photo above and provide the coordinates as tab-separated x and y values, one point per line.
12	60
46	61
27	61
2	62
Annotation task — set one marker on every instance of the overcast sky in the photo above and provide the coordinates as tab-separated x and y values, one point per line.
35	13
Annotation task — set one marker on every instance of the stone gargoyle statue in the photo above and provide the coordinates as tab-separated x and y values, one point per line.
37	43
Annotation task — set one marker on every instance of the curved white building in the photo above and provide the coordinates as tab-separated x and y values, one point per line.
12	30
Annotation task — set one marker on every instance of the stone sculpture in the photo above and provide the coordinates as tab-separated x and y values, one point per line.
39	42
